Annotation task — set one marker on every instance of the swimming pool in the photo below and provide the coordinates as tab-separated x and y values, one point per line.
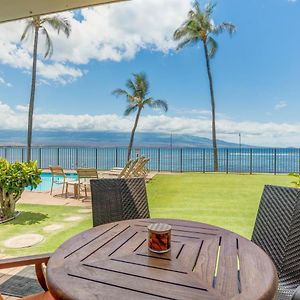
46	182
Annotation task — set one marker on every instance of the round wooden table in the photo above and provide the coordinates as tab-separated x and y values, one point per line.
112	261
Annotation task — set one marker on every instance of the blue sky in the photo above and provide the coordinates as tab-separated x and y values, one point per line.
256	72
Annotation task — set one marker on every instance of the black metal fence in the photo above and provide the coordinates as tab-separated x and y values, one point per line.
245	160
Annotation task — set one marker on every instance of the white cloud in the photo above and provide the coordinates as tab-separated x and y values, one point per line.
22	108
108	32
253	133
4	82
292	1
280	105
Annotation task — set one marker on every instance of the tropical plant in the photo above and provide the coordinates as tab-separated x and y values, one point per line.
199	27
296	182
14	178
35	26
138	98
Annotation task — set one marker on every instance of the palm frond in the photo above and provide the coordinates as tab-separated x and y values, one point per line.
161	104
130	109
120	92
58	23
29	26
212	47
141	84
229	27
131	86
209	9
48	43
187	41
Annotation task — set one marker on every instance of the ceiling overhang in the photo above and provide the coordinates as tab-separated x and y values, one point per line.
18	9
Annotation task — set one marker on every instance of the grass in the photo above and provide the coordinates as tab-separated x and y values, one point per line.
229	201
34	218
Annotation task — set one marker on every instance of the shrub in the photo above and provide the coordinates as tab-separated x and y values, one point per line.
14	178
296	183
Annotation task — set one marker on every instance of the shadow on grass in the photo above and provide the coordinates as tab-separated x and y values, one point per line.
28	218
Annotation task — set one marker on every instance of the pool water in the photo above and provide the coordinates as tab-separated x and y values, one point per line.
45	185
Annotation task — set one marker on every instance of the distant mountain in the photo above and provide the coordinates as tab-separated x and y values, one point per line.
120	139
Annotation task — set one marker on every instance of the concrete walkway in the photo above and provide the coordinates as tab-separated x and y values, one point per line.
44	198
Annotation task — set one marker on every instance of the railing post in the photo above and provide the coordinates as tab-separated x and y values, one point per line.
5	152
299	160
251	161
227	161
181	160
203	159
171	151
76	159
158	160
275	161
58	156
116	157
96	158
40	158
22	154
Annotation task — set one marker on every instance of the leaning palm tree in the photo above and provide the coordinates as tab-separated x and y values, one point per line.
35	26
200	28
137	99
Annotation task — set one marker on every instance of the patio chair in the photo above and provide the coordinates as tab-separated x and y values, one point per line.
39	261
58	176
84	177
277	232
57	173
116	199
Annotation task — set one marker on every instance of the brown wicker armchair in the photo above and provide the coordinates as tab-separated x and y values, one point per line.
38	261
116	199
277	232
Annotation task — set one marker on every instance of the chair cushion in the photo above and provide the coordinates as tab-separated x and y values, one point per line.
40	296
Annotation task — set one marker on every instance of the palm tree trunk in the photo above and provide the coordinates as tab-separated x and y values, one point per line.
133	132
214	135
32	94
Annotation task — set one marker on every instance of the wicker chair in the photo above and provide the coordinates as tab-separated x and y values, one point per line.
277	232
116	199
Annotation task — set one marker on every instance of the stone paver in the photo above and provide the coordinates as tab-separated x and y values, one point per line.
85	211
23	241
73	218
53	227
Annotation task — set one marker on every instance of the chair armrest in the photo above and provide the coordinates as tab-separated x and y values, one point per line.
36	260
296	295
24	261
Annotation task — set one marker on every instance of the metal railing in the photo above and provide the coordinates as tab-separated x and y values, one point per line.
245	160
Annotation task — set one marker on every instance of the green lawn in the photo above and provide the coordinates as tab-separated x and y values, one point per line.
229	201
34	218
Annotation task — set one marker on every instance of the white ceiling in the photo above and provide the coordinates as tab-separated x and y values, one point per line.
18	9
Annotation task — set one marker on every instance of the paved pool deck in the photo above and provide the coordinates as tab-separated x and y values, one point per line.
57	198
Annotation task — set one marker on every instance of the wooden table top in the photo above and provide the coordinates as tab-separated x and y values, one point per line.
112	261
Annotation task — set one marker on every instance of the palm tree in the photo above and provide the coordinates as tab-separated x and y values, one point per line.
200	28
35	26
137	99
